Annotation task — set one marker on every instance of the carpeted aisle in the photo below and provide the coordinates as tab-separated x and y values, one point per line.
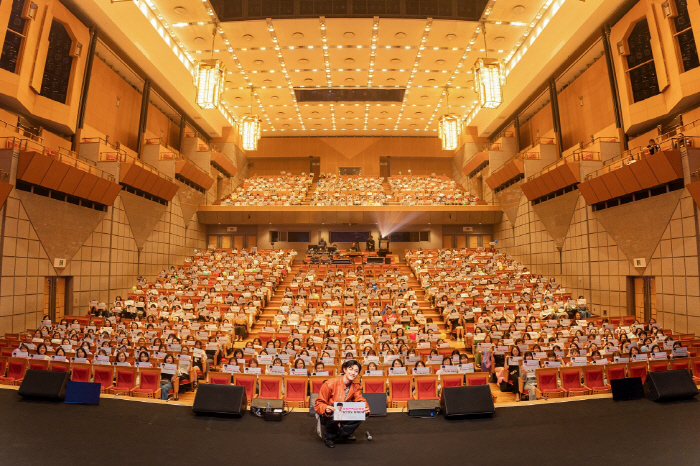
128	433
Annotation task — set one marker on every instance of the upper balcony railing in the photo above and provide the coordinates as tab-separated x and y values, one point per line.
126	158
639	153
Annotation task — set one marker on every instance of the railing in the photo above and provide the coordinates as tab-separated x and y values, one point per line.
21	131
67	157
126	158
634	155
10	142
105	142
578	156
529	155
159	141
493	146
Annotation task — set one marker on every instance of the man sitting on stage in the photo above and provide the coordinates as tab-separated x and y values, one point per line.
338	390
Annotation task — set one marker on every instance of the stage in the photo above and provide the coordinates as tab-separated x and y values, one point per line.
122	432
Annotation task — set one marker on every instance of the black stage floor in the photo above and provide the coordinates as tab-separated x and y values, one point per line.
591	432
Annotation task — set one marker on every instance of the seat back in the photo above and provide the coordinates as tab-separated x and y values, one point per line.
246	381
126	377
476	378
374	384
295	387
316	381
593	377
546	379
658	366
696	367
570	378
59	366
270	386
150	379
16	367
615	371
38	364
637	369
219	378
400	388
451	380
680	364
103	375
3	365
426	386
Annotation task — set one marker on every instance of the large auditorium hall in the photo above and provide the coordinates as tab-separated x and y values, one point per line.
359	231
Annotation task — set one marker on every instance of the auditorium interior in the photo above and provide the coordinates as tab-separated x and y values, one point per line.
490	205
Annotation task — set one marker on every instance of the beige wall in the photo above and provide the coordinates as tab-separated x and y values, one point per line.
105	266
578	122
591	264
363	152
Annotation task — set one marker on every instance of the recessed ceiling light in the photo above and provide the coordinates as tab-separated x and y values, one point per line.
419	113
275	97
349	60
199	40
413	125
518	9
349	35
451	36
424	97
248	37
314	112
303	61
259	62
499	39
460	97
348	124
381	125
280	113
298	35
440	62
395	61
431	80
308	80
286	125
267	81
391	80
349	112
384	112
317	124
400	35
239	98
349	80
180	10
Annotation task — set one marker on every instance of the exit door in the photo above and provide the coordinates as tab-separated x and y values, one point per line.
55	297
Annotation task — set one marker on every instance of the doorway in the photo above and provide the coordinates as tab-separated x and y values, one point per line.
56	297
315	167
384	167
641	298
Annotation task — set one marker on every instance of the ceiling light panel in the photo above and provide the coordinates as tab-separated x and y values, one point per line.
195	11
354	32
349	78
348	58
188	35
390	78
400	32
288	32
451	34
245	35
386	58
449	59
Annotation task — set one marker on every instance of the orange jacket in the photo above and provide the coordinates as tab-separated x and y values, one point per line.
333	391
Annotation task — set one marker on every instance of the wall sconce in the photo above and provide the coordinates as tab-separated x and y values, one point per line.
668	11
621	48
30	9
78	49
581	100
118	100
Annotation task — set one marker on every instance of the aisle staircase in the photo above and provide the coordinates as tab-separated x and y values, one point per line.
275	302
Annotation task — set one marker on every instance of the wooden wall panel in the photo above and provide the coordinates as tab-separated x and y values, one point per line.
98	191
627	180
111	194
588	193
71	180
420	165
642	171
55	175
37	168
102	114
613	185
578	122
86	184
268	166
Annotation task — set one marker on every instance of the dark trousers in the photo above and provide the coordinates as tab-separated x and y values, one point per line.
333	430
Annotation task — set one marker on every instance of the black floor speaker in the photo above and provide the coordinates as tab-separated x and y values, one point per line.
460	402
220	399
377	403
629	388
48	385
669	385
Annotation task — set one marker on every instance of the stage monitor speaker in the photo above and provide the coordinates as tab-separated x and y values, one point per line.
669	385
459	402
220	399
382	253
375	260
377	403
44	384
84	393
627	389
